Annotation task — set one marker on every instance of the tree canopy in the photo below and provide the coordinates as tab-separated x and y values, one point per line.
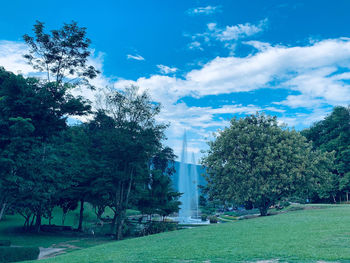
257	161
333	134
62	53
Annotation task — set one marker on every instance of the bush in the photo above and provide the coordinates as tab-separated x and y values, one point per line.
14	254
5	243
158	227
204	217
282	204
213	219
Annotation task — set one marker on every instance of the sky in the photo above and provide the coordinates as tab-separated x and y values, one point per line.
205	61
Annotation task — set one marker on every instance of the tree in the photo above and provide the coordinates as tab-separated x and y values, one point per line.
36	112
80	170
45	105
256	161
333	134
158	195
62	54
125	137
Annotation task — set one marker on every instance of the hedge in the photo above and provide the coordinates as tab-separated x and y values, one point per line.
13	254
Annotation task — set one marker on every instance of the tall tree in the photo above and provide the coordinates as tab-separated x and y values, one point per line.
44	106
158	195
125	138
257	161
61	54
333	134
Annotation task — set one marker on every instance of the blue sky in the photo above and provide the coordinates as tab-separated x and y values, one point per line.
206	61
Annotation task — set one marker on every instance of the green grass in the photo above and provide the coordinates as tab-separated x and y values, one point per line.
297	236
11	229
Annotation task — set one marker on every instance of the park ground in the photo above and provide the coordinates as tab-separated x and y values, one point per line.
315	234
11	229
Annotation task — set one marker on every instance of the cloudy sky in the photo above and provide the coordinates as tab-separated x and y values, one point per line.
206	61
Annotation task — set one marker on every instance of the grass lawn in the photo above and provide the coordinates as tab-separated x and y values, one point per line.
11	229
298	236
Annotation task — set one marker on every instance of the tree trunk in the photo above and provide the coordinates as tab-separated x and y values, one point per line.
37	222
120	223
63	218
335	201
31	223
2	211
121	215
347	198
26	223
81	215
113	223
263	210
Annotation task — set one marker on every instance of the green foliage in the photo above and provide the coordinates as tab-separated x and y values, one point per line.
14	254
127	159
257	162
204	217
62	54
32	116
159	197
155	227
333	135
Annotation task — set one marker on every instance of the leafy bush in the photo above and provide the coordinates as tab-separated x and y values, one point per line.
282	204
14	254
204	217
158	227
5	243
213	219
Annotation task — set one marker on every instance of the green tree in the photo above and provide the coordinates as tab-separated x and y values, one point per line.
333	134
62	54
44	107
256	161
125	137
158	195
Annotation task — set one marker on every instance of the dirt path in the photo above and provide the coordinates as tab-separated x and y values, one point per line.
49	252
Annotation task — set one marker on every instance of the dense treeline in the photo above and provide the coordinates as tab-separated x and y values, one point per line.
333	135
115	160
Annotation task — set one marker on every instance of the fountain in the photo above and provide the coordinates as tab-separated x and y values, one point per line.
188	185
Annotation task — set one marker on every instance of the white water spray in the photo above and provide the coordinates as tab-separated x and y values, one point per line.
188	185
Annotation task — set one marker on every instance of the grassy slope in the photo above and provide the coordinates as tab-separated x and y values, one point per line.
10	229
301	236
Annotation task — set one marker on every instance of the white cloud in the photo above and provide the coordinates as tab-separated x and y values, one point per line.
195	45
303	118
208	10
166	70
228	35
11	57
135	57
317	75
237	31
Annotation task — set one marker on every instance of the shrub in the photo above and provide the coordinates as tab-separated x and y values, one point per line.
158	227
13	254
213	219
204	217
282	204
5	243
